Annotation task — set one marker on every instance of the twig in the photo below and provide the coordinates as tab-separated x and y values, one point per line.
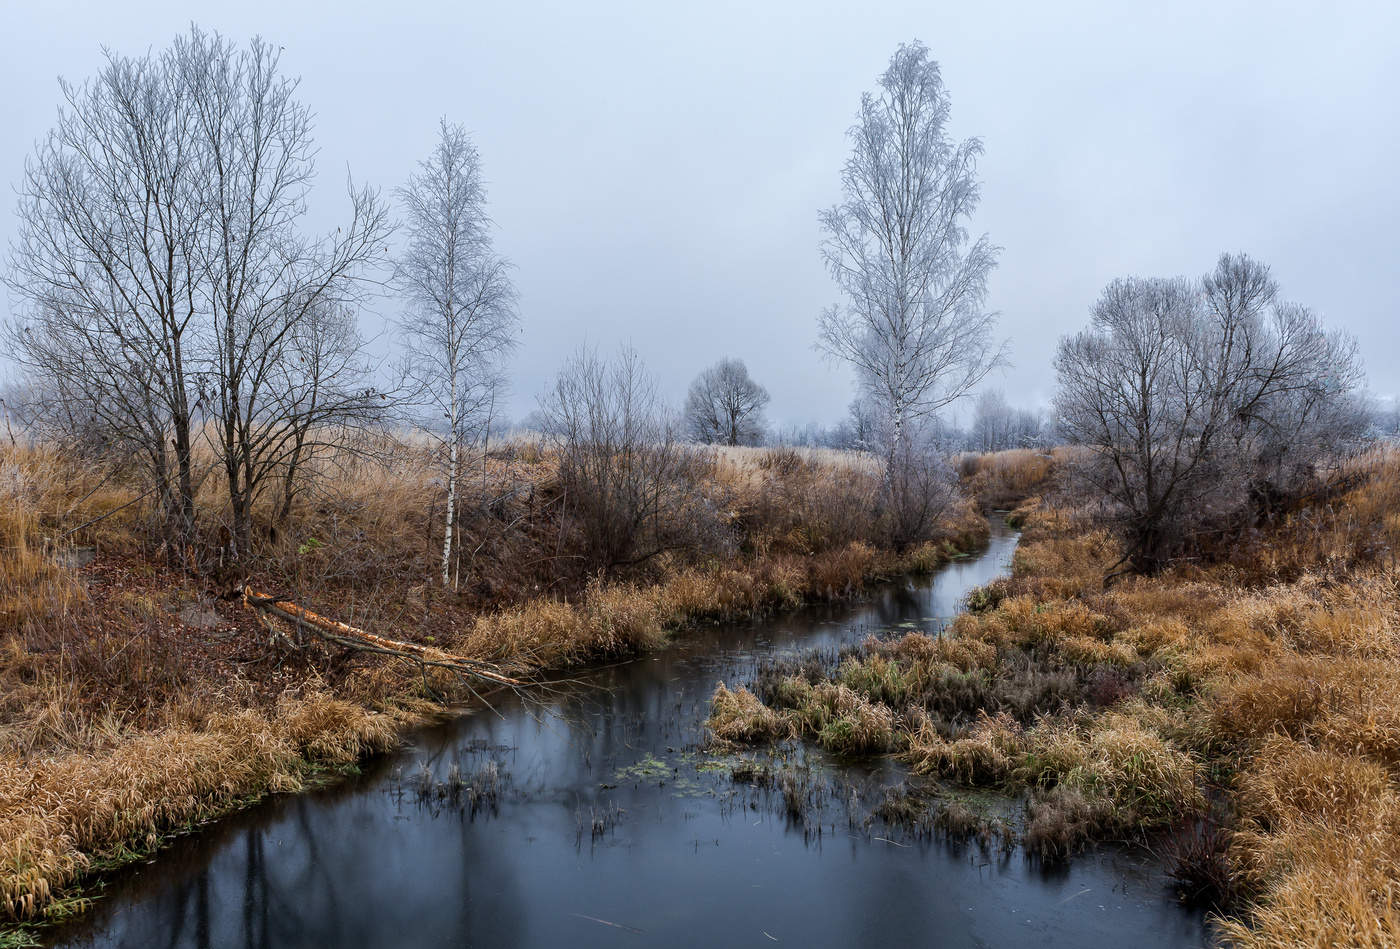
103	517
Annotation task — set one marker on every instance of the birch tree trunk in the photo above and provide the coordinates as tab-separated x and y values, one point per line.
451	512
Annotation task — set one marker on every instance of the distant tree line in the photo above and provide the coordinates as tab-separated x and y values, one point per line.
997	426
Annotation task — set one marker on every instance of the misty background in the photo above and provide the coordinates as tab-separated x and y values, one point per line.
655	173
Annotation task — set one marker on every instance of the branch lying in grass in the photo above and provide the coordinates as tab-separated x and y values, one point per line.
342	634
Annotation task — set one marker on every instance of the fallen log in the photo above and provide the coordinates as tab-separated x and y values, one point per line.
352	637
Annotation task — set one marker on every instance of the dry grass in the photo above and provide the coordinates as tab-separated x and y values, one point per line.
61	813
1275	669
752	461
1002	480
1265	676
132	705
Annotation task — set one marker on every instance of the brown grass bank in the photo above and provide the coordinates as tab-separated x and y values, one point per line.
1003	480
1262	681
136	702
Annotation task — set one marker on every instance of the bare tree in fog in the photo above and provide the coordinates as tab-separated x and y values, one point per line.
860	430
105	269
1385	417
725	406
997	426
461	321
913	324
992	422
163	276
320	393
1202	400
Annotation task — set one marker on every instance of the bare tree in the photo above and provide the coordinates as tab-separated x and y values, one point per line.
319	393
105	267
270	293
1201	400
1385	417
860	431
997	426
914	325
992	422
725	406
461	318
165	279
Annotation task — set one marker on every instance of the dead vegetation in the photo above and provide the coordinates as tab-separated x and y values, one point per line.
139	699
1262	677
1002	480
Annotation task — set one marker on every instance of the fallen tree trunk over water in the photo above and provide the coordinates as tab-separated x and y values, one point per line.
351	637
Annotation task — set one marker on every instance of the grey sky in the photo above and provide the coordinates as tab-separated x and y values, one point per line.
656	170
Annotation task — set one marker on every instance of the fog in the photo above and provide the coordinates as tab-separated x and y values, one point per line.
655	173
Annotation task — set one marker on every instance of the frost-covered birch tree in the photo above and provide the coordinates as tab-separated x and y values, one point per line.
913	324
460	320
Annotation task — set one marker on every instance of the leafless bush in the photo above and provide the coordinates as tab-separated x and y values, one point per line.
809	502
630	488
919	488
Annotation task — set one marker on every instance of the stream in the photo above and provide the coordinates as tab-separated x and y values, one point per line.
591	816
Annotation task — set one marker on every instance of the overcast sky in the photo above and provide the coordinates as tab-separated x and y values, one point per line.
655	170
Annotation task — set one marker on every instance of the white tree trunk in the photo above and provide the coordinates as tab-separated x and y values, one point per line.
455	434
451	511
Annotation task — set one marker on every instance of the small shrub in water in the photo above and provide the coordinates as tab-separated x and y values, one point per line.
1199	867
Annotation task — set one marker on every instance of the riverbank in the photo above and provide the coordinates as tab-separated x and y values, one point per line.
137	707
1243	701
589	813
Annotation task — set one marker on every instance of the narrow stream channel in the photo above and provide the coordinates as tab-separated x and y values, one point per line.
612	828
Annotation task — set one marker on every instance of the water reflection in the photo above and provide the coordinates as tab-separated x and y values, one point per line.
612	827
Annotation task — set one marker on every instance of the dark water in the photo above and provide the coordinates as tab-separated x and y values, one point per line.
612	829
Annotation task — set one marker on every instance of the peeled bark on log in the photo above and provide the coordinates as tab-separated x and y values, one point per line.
352	637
